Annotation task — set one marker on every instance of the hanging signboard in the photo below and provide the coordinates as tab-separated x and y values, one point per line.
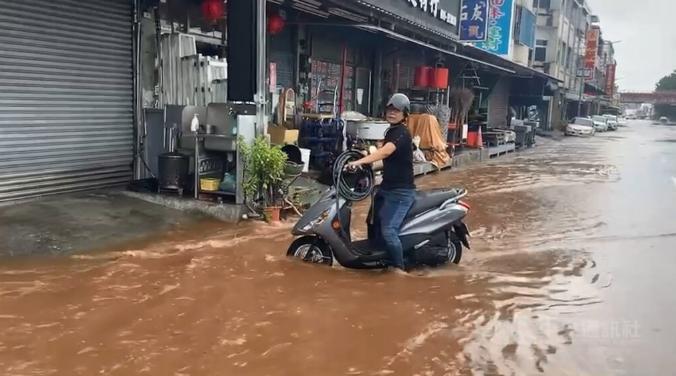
585	72
592	48
435	9
440	16
610	79
499	36
474	20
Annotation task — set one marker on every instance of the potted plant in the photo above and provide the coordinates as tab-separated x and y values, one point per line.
263	172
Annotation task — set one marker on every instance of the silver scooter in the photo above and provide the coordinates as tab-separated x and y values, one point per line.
432	234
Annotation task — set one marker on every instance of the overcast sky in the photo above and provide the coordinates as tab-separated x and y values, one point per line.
647	29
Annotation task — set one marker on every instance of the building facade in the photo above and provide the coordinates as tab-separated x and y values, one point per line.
562	27
570	46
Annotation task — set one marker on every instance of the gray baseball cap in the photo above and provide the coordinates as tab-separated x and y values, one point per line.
400	102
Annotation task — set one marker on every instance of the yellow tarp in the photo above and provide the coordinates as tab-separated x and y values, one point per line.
432	142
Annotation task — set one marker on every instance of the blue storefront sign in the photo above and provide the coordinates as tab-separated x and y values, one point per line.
499	35
474	20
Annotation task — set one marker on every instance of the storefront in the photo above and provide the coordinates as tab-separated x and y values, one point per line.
71	119
66	96
346	65
364	51
517	92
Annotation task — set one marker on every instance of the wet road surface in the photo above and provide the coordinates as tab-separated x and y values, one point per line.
571	273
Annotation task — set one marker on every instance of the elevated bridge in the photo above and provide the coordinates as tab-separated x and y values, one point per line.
656	97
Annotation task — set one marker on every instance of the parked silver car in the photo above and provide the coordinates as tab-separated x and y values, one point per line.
580	126
613	122
600	123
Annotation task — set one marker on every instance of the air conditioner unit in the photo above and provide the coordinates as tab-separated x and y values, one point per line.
550	20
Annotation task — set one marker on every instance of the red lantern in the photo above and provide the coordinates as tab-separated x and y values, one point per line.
213	10
275	24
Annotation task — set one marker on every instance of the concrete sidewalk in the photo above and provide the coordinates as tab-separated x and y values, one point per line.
102	220
81	222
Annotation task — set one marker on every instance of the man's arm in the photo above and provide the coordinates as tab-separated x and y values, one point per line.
379	155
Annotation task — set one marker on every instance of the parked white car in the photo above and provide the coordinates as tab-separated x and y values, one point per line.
613	123
600	123
580	127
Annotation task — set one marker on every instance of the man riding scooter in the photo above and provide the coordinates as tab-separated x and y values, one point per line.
397	190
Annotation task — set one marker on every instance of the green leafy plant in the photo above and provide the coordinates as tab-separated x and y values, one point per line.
263	170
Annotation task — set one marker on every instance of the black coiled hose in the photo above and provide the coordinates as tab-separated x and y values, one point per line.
352	185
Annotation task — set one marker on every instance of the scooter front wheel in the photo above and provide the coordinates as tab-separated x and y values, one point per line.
311	249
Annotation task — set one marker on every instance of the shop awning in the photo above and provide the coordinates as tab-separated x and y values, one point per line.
405	38
573	97
517	69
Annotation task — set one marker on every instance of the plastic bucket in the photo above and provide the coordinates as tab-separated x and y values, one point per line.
305	157
440	80
423	76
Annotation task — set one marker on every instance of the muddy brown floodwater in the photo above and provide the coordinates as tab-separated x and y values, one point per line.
570	274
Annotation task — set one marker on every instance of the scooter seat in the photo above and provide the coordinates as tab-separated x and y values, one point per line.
427	200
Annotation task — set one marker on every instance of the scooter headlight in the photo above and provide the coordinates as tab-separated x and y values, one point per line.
322	217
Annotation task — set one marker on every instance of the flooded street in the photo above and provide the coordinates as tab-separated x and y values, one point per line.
570	274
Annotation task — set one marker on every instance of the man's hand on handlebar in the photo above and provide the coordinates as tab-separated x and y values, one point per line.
353	166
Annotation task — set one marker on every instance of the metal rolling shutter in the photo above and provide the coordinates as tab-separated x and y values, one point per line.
498	103
281	52
66	101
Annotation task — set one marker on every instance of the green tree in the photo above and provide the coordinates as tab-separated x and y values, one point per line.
667	82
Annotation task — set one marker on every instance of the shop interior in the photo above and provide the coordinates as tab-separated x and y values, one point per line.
328	77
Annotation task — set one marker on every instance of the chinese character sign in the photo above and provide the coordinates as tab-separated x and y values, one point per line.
592	48
474	20
499	33
433	8
610	79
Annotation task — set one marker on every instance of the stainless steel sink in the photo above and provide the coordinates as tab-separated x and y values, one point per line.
220	143
213	142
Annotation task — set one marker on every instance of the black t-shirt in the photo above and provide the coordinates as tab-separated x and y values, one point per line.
398	167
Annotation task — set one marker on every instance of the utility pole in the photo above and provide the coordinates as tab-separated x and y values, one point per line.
579	103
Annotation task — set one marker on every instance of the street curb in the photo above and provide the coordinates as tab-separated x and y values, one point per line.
224	212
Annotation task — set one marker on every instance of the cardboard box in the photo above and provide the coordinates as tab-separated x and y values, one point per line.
282	136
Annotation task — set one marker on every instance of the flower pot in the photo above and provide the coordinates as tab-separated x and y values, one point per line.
273	213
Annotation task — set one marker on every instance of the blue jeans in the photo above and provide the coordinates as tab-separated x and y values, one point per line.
395	204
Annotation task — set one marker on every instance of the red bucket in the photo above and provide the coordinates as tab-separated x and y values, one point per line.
423	76
440	80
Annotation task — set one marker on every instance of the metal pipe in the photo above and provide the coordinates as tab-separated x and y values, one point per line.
397	74
579	103
160	60
136	92
197	166
376	84
343	72
261	71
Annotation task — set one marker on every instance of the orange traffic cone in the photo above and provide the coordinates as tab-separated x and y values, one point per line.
474	139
